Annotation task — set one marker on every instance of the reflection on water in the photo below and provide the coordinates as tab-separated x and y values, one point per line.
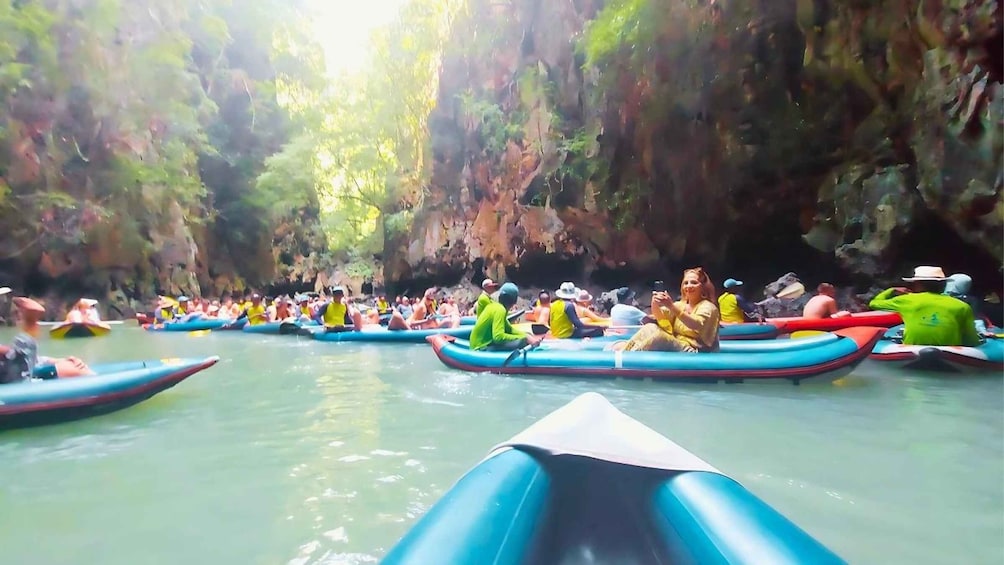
293	451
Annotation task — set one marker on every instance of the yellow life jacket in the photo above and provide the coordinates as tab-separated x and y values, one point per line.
382	306
167	313
256	314
728	305
334	314
561	325
305	310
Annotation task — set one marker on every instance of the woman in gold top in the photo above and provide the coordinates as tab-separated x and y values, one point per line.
688	325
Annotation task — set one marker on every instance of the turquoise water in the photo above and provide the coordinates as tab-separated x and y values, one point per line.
293	451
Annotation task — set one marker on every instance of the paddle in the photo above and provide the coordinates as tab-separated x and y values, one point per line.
521	351
289	328
791	292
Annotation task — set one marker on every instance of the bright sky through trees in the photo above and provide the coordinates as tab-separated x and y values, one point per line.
343	29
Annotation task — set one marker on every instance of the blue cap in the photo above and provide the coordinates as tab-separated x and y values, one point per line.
732	283
509	289
182	298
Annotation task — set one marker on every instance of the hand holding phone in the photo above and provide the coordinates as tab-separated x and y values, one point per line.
659	286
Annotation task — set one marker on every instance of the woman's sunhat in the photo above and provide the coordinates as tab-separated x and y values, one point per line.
927	274
567	291
583	296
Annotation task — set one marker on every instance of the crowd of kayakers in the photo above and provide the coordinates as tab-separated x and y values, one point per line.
936	309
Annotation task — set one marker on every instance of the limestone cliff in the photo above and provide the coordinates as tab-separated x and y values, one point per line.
725	133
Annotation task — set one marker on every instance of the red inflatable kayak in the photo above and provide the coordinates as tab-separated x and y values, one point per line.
872	318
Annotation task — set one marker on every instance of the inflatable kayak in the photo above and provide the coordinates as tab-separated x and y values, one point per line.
114	387
277	328
382	334
589	484
742	346
875	318
828	361
728	332
189	326
943	358
86	329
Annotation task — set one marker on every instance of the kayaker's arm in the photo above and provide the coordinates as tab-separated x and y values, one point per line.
500	325
970	336
886	300
695	320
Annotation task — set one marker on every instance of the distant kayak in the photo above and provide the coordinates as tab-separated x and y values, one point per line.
381	334
114	387
190	326
77	330
276	328
876	318
827	360
589	484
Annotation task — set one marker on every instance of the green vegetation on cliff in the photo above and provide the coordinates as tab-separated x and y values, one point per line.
135	134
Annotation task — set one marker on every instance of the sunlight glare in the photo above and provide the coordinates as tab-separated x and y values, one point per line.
343	29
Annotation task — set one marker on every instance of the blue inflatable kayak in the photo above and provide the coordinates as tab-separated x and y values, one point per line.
988	357
114	387
276	328
588	480
189	326
382	334
824	361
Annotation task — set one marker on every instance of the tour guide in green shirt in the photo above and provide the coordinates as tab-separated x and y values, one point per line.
493	330
929	317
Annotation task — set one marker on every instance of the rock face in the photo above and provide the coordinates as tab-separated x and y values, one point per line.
725	133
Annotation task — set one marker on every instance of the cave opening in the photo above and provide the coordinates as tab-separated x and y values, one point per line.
540	270
931	241
610	278
291	288
415	286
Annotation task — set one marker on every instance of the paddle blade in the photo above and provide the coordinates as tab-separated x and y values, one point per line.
289	328
515	315
539	329
198	333
806	333
512	356
792	291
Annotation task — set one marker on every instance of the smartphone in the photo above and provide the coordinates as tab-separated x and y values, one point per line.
658	286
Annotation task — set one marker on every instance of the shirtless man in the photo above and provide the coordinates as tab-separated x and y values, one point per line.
824	304
450	313
420	317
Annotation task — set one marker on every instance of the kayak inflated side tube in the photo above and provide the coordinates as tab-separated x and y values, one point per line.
830	359
382	334
190	326
113	387
709	518
490	516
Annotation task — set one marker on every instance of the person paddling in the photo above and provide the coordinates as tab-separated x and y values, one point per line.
929	317
337	315
493	331
564	320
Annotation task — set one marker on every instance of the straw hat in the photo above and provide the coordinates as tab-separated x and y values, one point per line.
26	304
583	296
567	291
927	274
